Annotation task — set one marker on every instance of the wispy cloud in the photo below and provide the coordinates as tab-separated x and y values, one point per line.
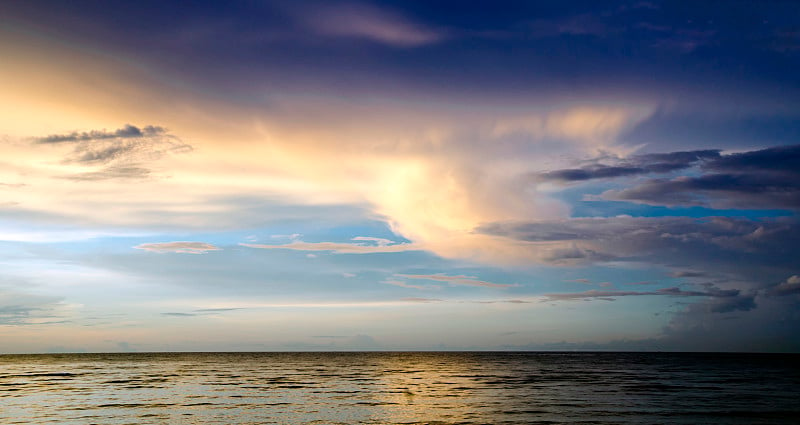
378	246
201	312
404	284
126	132
637	164
514	301
126	145
582	280
421	300
688	273
28	309
358	20
457	280
119	172
611	295
181	247
124	153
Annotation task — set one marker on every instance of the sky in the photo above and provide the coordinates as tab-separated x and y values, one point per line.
399	175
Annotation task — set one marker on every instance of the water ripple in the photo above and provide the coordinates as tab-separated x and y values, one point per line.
402	388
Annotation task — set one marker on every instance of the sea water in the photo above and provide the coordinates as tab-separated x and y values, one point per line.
400	388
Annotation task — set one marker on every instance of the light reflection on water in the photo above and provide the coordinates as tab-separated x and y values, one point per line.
447	388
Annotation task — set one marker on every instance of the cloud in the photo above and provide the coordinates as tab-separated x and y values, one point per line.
596	127
421	300
635	165
781	160
404	284
735	324
217	310
760	179
180	247
790	286
18	309
456	280
590	173
125	153
745	257
126	132
202	312
129	144
586	281
514	301
715	190
741	304
379	246
364	21
377	241
688	273
715	245
116	172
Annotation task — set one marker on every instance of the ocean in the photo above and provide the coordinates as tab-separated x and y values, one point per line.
400	388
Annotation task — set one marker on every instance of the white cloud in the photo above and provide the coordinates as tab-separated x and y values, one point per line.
180	247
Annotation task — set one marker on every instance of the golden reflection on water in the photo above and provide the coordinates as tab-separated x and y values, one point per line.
417	387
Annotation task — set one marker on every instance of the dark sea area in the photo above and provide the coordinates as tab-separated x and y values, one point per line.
400	388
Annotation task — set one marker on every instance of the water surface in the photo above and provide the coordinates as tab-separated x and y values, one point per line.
406	388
